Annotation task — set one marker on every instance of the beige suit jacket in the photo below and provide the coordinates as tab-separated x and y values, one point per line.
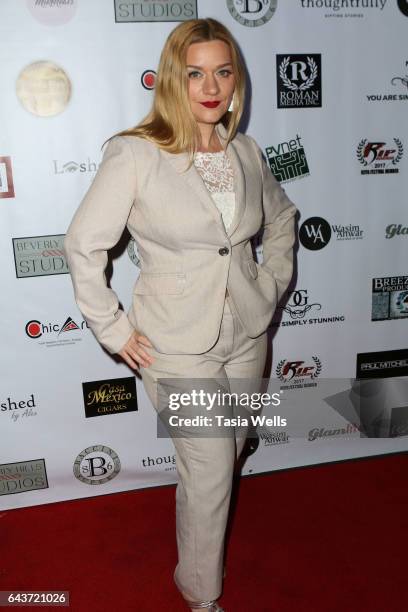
187	257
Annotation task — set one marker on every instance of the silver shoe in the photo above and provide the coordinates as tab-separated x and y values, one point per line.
211	605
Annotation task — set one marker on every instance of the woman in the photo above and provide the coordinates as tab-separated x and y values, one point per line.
193	191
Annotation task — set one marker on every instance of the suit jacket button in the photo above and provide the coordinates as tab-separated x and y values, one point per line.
223	251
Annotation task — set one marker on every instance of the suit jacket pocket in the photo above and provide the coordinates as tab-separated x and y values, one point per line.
156	283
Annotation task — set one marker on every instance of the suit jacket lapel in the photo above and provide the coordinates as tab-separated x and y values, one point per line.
239	178
193	178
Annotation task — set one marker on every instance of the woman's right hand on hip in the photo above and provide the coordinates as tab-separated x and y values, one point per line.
133	352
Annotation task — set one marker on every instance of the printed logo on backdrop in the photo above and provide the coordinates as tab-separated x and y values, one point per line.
6	178
132	252
287	160
399	83
96	465
315	233
298	374
299	80
148	79
323	432
52	12
252	13
110	396
389	298
300	311
166	463
396	230
274	438
43	89
23	476
19	409
382	364
154	10
72	166
336	7
382	387
347	232
399	421
380	157
51	332
39	256
403	7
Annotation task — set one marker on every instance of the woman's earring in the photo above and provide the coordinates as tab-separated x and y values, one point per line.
231	106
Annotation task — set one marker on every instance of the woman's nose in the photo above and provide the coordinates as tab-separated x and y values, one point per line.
210	85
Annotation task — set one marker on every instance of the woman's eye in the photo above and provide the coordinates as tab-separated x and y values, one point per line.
195	73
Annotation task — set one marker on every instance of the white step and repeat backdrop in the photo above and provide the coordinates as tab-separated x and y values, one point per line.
328	89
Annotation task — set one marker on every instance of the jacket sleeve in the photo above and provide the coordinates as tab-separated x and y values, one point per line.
96	227
279	228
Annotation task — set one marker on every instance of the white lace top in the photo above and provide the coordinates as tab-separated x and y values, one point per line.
216	171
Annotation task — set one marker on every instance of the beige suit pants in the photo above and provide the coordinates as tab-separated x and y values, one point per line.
205	466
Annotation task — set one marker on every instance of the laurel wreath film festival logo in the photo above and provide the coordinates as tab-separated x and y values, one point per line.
299	81
380	157
299	374
252	13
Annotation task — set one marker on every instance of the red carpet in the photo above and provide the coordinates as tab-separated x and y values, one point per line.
322	539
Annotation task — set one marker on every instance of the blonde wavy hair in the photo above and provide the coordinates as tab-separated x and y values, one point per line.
170	123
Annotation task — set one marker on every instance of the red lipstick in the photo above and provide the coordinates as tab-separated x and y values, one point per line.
211	104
